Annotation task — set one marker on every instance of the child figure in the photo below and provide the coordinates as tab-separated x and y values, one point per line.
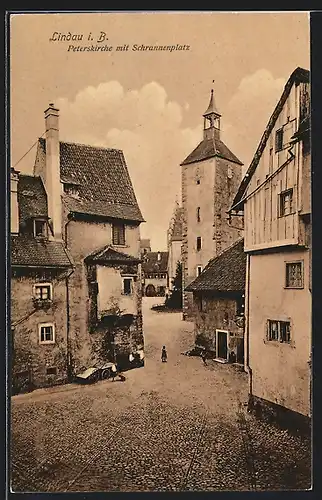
164	355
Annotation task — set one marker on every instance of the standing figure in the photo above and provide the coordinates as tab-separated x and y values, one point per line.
204	357
164	355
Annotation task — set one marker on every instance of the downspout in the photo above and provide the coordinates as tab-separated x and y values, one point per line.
68	343
247	367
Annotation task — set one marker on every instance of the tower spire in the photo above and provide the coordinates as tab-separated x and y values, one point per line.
211	118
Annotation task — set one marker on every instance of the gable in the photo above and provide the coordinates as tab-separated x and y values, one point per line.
102	179
297	83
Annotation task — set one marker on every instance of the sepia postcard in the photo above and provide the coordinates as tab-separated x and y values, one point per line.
160	246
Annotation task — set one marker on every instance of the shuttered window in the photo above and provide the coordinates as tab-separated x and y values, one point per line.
118	236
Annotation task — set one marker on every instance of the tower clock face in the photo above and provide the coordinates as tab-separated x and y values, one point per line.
230	173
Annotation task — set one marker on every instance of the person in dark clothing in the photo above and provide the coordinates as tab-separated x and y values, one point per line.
204	357
164	355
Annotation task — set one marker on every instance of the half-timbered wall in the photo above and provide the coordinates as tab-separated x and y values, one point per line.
271	218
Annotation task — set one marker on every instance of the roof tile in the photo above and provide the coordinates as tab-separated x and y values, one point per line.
209	148
108	255
27	251
105	187
224	273
151	264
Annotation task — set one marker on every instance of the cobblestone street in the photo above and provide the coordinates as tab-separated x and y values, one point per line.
170	427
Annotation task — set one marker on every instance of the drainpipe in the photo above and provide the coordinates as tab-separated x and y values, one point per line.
69	349
247	367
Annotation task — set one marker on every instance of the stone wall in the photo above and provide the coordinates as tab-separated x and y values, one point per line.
31	359
218	312
219	180
83	238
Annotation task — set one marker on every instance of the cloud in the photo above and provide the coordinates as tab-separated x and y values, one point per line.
249	110
147	126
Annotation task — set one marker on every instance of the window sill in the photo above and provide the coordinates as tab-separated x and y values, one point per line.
47	342
293	287
286	215
42	303
277	343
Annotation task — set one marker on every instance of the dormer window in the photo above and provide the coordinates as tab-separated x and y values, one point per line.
40	228
71	189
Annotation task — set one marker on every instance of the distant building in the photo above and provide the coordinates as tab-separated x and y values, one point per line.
78	211
145	246
211	175
174	243
219	294
274	198
155	274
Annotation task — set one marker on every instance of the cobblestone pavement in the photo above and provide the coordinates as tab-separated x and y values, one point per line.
177	426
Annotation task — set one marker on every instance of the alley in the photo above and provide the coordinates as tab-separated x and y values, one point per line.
170	427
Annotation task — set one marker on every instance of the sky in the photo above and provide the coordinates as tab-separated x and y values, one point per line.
150	103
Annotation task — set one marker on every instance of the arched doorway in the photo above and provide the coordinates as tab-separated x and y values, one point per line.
150	290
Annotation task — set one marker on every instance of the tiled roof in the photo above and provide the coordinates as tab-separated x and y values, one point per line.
209	148
224	273
108	255
105	187
299	75
176	230
151	264
28	251
32	198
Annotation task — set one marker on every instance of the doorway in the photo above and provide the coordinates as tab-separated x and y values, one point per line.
150	290
222	344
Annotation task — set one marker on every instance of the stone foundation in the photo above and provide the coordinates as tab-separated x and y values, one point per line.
279	415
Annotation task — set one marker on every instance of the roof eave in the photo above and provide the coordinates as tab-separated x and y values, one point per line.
299	75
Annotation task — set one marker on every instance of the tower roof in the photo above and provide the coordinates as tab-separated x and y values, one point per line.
212	109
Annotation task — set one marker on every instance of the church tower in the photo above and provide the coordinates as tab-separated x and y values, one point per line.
210	177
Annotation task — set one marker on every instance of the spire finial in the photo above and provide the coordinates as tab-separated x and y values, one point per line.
212	106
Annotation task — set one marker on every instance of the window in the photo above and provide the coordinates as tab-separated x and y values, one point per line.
40	228
199	270
279	140
240	305
294	275
199	243
51	371
71	189
118	234
286	203
43	291
199	303
127	286
279	331
198	214
198	181
270	165
47	333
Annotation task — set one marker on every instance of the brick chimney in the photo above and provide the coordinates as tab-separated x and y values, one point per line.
52	171
14	215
